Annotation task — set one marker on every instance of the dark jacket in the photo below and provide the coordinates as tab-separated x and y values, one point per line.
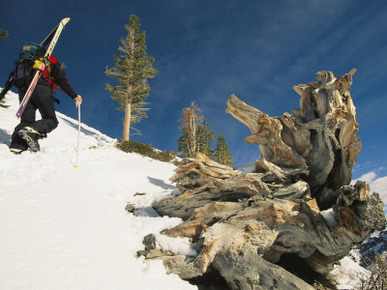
56	76
53	75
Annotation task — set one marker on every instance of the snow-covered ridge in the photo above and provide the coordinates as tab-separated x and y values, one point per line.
65	227
86	129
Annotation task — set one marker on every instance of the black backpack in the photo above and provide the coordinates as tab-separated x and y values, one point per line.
23	71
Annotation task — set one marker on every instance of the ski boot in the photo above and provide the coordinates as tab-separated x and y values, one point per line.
31	136
16	151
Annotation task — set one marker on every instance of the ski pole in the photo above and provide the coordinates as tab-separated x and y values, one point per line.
79	133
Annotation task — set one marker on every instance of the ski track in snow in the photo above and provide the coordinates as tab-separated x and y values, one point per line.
65	227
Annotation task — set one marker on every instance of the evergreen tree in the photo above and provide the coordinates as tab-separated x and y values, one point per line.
182	144
133	67
199	137
190	121
205	139
222	152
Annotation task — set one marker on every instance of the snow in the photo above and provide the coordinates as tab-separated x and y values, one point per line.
65	227
377	184
329	216
348	274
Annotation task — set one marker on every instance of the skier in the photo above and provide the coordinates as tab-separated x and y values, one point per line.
29	131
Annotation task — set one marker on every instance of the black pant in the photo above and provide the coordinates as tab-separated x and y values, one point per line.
42	99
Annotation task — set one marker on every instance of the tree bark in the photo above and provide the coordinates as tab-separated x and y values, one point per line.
128	115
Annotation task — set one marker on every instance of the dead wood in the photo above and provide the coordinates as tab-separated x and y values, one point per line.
244	224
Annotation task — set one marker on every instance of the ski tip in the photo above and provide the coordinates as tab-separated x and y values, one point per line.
65	20
76	166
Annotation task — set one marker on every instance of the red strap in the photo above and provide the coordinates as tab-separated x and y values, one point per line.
52	60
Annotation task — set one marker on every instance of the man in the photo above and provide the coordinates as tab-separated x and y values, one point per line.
29	131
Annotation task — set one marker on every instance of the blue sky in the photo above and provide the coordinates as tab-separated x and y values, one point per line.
207	50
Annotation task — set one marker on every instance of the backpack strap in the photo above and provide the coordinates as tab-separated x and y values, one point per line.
22	73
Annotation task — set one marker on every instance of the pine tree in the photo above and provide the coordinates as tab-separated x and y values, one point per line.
222	152
182	145
205	139
199	137
133	67
190	121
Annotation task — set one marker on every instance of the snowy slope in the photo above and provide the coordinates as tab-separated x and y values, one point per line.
65	227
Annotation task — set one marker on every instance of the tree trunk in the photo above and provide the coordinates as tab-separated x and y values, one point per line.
128	106
192	144
128	113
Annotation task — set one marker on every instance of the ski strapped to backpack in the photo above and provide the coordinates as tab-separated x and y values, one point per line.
21	75
52	38
23	72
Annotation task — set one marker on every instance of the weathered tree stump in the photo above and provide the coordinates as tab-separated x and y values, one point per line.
245	224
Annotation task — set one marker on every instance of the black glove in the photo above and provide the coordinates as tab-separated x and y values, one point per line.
7	87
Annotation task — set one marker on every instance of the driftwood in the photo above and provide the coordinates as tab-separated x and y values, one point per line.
266	229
